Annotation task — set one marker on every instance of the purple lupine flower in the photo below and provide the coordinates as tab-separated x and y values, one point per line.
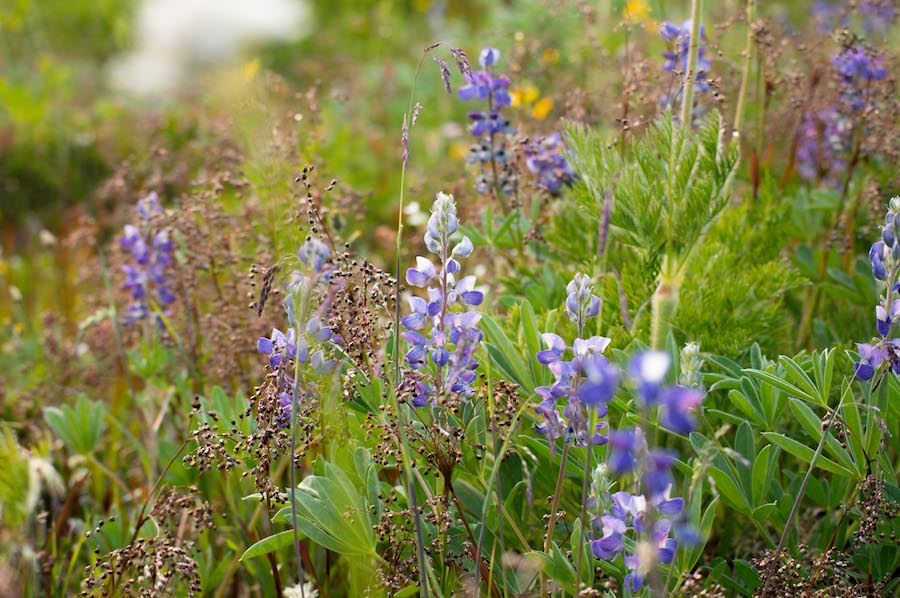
649	370
677	404
877	15
151	251
858	66
883	319
625	447
546	158
490	126
885	257
602	378
581	304
588	381
453	337
823	145
677	58
625	514
316	255
825	15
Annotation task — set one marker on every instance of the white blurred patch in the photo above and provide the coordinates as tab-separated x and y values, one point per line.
176	38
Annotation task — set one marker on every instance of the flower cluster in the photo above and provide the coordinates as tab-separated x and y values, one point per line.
650	514
679	37
453	337
545	158
586	381
885	258
628	513
146	277
857	67
876	16
306	339
823	142
490	126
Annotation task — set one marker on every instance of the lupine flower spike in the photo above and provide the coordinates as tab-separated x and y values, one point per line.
286	351
587	381
452	337
884	350
152	253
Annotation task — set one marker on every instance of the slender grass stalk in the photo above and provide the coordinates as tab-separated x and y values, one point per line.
745	79
495	472
687	103
800	493
395	404
548	541
585	485
292	469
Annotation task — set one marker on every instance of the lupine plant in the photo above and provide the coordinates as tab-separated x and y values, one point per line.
147	278
638	359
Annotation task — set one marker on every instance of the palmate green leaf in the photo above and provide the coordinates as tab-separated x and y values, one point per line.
80	427
801	379
807	418
332	512
805	454
781	384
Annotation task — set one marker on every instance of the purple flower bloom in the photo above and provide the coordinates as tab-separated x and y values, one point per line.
624	450
823	143
279	346
152	252
677	59
488	56
878	15
677	402
489	125
422	274
870	359
883	319
602	380
453	338
649	371
546	158
555	352
857	67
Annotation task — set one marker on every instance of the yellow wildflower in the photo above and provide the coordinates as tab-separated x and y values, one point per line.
542	108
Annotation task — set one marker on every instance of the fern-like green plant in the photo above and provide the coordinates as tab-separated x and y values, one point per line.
654	205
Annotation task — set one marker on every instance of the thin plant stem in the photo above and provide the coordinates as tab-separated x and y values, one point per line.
548	541
395	403
140	519
745	78
800	492
687	104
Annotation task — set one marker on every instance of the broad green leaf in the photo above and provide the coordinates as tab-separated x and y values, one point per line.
728	488
761	475
782	385
271	544
533	342
801	378
805	454
811	424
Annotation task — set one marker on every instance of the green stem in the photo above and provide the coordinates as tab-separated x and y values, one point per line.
745	79
687	104
796	506
548	541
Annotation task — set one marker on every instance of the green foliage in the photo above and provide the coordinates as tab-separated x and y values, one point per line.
80	427
332	512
